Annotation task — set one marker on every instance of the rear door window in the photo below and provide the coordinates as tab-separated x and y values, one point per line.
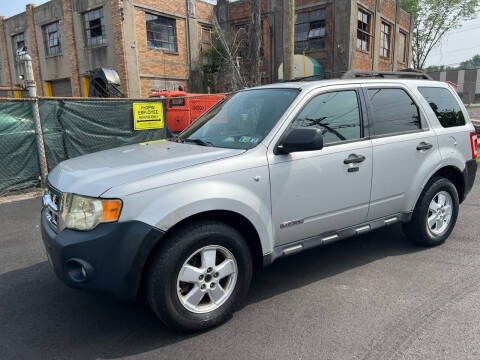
393	111
444	106
336	114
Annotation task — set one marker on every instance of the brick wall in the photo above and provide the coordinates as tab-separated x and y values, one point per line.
69	41
404	20
119	45
204	10
388	8
157	63
33	48
385	13
239	10
172	6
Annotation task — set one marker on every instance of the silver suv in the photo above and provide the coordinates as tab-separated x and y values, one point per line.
268	172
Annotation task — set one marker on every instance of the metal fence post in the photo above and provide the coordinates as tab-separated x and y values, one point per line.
32	92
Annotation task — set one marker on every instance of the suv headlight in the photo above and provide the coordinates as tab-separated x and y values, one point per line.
85	213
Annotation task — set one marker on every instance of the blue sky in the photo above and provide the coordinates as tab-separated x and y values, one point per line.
459	45
12	7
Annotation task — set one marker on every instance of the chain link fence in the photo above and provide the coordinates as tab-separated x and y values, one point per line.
71	127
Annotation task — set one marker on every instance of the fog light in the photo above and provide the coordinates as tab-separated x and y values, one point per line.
78	270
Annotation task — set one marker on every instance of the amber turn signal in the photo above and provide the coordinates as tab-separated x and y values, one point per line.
111	210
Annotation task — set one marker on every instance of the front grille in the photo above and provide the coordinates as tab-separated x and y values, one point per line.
53	205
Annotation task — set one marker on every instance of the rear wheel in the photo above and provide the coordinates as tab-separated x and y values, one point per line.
436	213
200	275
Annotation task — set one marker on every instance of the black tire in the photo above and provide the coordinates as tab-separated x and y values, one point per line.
167	261
417	229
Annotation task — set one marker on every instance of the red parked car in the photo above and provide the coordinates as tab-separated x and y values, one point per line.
184	108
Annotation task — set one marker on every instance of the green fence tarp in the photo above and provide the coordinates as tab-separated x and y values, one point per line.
18	152
70	128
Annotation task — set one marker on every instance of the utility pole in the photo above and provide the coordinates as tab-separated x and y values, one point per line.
32	92
255	41
288	36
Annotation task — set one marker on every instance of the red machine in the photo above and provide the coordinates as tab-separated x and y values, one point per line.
184	108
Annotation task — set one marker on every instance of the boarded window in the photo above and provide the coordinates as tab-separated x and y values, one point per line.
61	88
402	47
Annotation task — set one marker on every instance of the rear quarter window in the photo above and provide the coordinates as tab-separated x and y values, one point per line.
444	106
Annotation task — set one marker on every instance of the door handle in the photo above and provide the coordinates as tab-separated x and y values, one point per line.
424	146
354	159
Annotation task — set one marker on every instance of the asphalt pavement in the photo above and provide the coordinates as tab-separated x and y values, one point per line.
376	296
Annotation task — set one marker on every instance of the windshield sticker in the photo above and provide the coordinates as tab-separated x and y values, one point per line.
245	139
254	140
229	139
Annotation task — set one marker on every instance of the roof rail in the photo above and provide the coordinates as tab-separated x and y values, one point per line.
352	74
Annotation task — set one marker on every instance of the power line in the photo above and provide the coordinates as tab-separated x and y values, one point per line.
456	50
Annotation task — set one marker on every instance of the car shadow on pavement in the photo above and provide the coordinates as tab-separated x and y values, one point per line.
42	318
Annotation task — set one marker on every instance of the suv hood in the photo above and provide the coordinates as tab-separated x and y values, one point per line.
95	173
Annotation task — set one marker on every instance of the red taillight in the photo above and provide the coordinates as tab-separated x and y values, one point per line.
474	143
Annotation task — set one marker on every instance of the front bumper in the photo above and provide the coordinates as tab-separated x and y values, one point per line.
109	258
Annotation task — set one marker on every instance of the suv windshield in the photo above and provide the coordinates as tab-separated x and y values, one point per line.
242	120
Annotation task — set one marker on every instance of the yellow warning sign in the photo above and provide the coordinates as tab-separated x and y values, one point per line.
148	115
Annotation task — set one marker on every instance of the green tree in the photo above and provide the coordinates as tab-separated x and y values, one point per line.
432	19
473	63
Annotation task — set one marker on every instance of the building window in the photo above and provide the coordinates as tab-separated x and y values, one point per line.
385	40
363	31
94	28
241	40
161	33
51	36
206	38
206	44
402	48
18	43
310	31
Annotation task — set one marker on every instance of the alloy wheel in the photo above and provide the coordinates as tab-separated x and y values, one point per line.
207	279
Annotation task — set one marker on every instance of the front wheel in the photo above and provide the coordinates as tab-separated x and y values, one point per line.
436	213
199	276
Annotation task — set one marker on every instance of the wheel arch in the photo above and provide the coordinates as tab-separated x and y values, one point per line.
456	176
452	173
232	218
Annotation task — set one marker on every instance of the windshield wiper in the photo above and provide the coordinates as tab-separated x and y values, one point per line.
199	142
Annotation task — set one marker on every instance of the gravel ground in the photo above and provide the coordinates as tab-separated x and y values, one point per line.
376	296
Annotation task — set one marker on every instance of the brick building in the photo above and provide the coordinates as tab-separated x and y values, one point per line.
151	44
340	34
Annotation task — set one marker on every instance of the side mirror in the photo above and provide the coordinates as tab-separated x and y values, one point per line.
301	139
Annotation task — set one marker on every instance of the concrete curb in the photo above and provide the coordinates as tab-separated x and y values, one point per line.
19	197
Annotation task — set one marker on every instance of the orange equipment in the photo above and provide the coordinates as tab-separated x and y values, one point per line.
184	108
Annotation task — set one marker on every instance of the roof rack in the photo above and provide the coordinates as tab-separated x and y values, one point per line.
410	74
